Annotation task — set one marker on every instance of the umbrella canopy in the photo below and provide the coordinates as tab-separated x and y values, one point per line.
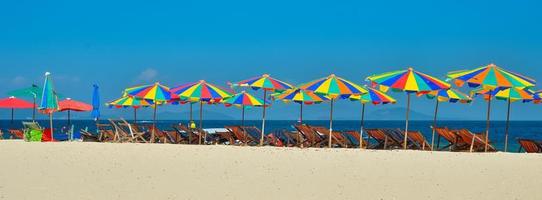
409	81
156	92
510	95
49	100
373	96
201	91
244	99
490	77
15	103
129	101
33	92
301	97
95	102
449	95
333	87
69	104
267	83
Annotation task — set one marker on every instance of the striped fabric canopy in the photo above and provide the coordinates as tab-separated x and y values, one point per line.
408	81
265	82
491	77
201	91
244	99
449	95
373	96
129	101
333	86
514	94
300	96
155	92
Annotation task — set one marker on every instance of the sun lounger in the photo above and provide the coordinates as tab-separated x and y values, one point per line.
476	140
337	139
288	138
418	138
354	138
133	130
380	137
312	138
106	133
193	136
254	133
530	146
394	138
240	135
16	134
455	143
87	136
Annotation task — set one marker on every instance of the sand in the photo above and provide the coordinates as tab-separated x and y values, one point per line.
164	171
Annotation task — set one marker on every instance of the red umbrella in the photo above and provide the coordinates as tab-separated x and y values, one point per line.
15	103
72	105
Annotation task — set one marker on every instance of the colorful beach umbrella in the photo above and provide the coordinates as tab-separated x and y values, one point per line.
201	92
334	87
243	100
15	103
490	77
267	83
374	97
409	81
302	97
95	102
129	101
33	92
156	92
449	95
72	105
49	100
510	95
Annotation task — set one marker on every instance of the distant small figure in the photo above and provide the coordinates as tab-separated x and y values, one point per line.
192	125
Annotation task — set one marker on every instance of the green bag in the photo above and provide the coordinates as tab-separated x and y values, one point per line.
34	135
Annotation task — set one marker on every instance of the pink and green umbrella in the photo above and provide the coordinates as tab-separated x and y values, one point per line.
266	83
409	81
510	95
449	95
490	77
201	92
374	97
333	87
156	92
243	100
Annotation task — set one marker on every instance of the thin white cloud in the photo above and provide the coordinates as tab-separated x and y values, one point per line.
147	75
19	80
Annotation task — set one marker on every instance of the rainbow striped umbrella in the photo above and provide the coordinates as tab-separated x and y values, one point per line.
509	95
156	92
129	101
301	97
267	83
333	87
449	95
373	96
49	100
490	77
409	81
201	92
243	100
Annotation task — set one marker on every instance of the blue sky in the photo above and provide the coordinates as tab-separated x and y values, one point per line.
122	43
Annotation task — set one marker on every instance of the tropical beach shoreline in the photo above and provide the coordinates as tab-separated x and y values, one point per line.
74	170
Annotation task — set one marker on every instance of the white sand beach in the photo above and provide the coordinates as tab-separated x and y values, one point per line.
163	171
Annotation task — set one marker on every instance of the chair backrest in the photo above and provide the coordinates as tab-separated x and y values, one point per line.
418	137
447	134
32	125
530	146
237	132
253	132
377	134
308	133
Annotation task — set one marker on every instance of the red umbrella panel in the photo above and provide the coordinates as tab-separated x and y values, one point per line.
15	103
73	105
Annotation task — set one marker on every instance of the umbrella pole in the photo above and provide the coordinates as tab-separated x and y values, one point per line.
135	115
69	120
34	110
362	126
300	123
434	125
153	124
263	118
12	114
330	123
191	112
200	121
507	126
487	123
243	123
51	124
406	124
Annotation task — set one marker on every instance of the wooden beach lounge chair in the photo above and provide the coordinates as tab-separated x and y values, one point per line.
395	138
106	133
193	136
239	133
455	143
418	138
123	134
337	139
312	138
477	140
530	146
353	137
134	131
254	133
16	134
380	137
87	136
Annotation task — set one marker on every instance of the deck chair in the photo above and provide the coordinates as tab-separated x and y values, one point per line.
530	146
337	139
419	139
16	134
106	133
455	143
380	137
159	135
193	136
134	131
396	138
476	140
254	134
239	134
312	138
87	136
286	138
354	138
122	133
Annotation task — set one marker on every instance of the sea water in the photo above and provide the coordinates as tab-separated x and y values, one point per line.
518	129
